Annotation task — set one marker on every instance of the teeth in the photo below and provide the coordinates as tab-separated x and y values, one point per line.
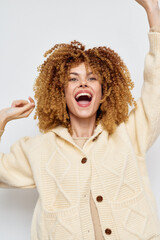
83	94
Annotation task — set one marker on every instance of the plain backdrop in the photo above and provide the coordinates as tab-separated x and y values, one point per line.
27	30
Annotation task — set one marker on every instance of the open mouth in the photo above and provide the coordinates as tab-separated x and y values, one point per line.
83	99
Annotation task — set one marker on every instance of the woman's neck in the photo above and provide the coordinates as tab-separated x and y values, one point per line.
82	127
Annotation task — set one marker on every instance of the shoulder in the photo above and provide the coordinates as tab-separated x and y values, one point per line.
40	140
33	142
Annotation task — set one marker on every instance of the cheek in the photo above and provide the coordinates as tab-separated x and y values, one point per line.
68	95
99	92
65	93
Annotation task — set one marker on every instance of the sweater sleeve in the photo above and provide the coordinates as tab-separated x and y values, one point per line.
143	125
15	169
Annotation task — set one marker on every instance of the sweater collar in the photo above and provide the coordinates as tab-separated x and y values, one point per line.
63	132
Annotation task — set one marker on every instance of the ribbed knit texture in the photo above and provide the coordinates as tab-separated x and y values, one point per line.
111	168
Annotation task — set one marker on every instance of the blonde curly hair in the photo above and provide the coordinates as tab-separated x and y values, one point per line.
53	77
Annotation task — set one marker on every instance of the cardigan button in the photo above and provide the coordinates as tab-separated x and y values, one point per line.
94	138
99	198
108	231
84	160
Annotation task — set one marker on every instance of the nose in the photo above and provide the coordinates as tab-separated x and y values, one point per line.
83	83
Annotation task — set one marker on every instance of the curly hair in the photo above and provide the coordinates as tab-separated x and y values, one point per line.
54	75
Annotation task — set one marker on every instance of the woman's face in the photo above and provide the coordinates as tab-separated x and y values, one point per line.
83	93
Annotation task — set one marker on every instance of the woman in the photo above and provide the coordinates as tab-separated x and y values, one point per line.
88	162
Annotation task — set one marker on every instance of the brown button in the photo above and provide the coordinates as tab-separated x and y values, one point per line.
99	198
94	138
84	160
108	231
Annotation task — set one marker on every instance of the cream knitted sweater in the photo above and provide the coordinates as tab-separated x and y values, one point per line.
112	167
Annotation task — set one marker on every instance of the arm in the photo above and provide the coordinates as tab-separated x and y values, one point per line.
2	127
18	109
152	10
143	124
15	169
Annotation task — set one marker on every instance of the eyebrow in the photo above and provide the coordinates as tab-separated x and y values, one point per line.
78	74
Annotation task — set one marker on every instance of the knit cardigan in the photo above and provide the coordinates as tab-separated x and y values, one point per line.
112	166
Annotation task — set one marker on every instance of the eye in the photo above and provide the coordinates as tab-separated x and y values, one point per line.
93	78
73	79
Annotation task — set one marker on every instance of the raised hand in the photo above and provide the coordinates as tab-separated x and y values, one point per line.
19	109
148	4
152	10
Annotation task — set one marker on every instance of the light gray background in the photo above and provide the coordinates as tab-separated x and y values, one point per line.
28	29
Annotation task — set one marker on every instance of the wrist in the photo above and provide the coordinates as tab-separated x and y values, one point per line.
153	17
3	123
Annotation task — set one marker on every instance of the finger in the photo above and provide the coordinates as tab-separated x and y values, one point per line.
25	108
19	103
31	99
26	113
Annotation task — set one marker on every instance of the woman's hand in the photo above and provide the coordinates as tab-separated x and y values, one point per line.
149	5
152	10
19	109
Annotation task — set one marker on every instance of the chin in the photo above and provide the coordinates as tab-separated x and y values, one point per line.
85	115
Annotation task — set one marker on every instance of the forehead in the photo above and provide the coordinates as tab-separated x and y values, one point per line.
80	68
